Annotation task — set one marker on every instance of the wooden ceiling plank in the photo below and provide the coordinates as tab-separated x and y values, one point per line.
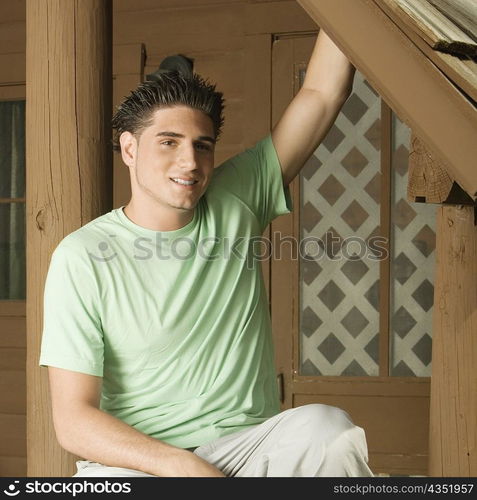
461	12
434	27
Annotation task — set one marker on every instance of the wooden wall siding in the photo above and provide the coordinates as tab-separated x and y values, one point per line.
128	72
13	36
12	11
12	68
12	42
12	389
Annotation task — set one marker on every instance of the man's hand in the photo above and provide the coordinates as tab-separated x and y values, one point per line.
308	118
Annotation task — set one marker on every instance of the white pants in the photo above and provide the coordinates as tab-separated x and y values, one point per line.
307	441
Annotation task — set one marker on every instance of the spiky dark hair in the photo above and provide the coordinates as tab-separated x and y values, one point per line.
168	89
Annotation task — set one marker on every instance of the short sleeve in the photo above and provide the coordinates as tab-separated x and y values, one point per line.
255	176
72	337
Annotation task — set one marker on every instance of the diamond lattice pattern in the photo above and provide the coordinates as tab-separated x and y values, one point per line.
412	253
339	298
340	205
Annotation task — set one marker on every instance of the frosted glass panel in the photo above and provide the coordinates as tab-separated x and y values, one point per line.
12	213
412	268
12	149
339	257
12	251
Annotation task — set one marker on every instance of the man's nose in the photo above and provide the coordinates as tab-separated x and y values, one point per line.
188	158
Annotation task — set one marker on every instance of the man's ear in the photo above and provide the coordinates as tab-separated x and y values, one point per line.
128	144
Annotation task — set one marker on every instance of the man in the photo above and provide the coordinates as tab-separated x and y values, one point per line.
157	331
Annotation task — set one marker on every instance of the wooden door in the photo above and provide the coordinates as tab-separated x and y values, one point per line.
351	274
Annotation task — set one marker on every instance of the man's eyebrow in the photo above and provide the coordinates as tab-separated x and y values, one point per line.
181	136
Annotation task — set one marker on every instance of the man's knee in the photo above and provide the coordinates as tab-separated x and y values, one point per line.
322	421
334	436
329	439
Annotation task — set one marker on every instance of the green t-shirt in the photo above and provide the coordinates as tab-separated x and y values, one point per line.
176	322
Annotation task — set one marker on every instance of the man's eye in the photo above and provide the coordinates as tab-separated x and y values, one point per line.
167	143
203	146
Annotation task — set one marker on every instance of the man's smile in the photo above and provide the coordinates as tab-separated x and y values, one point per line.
184	182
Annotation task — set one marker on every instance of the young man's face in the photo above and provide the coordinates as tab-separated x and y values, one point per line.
171	161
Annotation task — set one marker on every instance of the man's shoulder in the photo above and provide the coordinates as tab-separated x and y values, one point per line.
249	153
248	157
76	242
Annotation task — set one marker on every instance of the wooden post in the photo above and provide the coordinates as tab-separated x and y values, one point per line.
69	92
453	414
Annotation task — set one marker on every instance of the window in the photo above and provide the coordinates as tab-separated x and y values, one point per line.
12	200
341	277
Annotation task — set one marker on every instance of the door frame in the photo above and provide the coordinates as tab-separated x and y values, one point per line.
394	411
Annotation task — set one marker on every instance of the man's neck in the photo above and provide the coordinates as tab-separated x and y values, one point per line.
158	220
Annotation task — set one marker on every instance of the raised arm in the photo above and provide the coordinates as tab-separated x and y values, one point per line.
85	430
312	112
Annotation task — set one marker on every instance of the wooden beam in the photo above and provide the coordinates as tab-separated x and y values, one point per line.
453	412
68	73
427	181
414	88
